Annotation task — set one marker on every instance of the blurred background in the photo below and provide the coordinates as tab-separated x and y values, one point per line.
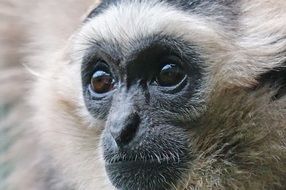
48	24
13	80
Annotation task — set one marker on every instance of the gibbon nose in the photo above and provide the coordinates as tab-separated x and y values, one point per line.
125	130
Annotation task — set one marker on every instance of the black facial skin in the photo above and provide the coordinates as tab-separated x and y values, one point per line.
145	144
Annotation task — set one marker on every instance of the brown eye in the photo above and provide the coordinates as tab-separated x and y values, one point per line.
102	82
170	75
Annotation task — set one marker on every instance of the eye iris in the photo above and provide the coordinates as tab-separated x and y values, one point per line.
102	82
170	75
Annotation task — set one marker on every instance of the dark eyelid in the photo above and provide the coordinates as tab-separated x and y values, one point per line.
172	57
101	65
96	53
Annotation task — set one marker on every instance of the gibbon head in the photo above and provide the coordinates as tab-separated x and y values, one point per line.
167	95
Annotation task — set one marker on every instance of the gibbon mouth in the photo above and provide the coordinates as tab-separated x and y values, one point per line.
136	160
141	162
160	173
139	165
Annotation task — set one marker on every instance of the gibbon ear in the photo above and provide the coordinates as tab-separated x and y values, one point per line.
275	78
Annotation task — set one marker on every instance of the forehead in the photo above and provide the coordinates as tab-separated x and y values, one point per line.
201	6
124	22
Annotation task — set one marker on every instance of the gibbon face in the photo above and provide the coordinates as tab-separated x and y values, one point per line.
168	95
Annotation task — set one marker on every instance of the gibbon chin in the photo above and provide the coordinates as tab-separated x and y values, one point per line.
143	95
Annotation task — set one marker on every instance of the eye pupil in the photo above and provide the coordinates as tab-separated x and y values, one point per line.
170	75
102	82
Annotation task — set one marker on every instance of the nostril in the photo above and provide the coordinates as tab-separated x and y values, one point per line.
124	133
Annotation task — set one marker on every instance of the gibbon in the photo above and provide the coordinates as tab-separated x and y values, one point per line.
143	95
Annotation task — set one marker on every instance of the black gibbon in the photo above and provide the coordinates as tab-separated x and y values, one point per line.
143	95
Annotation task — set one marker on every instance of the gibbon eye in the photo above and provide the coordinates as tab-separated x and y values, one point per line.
170	75
102	81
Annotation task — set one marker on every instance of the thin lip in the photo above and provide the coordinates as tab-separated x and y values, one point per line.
140	164
144	162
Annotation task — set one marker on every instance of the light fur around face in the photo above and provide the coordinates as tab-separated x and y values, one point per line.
59	146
